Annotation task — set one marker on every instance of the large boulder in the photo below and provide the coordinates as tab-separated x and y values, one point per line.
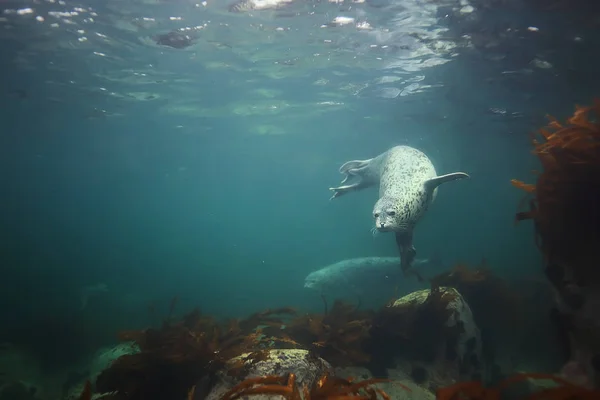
395	388
307	368
21	375
579	317
443	324
106	355
100	361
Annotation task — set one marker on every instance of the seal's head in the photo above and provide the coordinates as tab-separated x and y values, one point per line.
390	216
320	280
310	283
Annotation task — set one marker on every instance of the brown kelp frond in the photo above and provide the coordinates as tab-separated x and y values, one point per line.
528	187
467	391
567	191
242	365
171	359
335	388
267	385
326	387
476	391
337	336
581	133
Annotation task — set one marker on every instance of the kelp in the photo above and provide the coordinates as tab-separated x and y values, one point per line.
178	354
337	336
476	391
565	198
325	387
346	336
175	356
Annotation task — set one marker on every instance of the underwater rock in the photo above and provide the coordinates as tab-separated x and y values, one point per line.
20	374
458	347
582	327
100	361
303	363
106	355
392	388
18	391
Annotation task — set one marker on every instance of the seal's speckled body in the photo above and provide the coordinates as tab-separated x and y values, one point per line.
407	186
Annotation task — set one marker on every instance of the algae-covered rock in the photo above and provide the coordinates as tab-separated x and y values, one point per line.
21	375
302	363
445	342
18	391
106	355
395	388
100	361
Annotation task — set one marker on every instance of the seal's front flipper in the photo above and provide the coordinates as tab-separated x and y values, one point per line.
438	180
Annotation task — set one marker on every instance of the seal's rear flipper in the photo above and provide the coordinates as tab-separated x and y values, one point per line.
354	164
359	184
438	180
407	252
353	168
342	190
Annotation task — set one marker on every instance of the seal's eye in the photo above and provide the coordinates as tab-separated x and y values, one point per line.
376	215
392	213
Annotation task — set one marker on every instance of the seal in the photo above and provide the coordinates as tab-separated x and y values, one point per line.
408	184
363	275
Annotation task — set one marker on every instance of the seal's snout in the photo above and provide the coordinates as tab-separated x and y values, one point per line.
382	227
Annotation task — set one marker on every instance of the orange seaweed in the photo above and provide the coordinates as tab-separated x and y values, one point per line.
175	356
338	336
566	196
476	391
326	387
528	187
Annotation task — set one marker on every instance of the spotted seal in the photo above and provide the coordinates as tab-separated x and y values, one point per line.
408	184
